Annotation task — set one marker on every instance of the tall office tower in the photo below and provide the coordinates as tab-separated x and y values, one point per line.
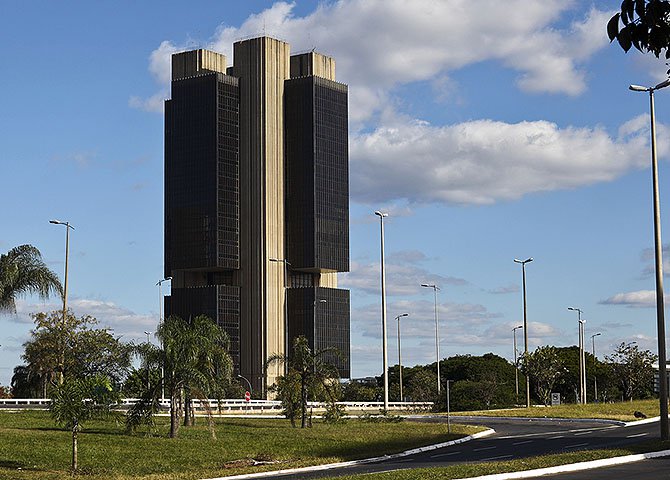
257	200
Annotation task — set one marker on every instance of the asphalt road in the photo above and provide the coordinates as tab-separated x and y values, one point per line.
652	469
514	438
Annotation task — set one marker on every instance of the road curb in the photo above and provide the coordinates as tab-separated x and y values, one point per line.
364	461
553	419
573	467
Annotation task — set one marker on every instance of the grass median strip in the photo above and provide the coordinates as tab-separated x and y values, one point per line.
624	411
32	447
467	470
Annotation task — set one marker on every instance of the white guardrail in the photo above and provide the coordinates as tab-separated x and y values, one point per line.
235	405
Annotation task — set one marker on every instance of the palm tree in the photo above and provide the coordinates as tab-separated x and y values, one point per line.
81	399
22	271
194	357
313	370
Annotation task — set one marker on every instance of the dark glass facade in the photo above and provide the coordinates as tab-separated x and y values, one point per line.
221	303
202	247
233	145
317	174
202	174
324	324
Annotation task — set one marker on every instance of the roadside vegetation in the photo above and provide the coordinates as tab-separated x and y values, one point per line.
624	411
33	448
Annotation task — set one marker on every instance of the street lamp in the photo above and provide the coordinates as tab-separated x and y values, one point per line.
248	382
437	333
582	367
525	322
61	360
383	281
399	357
286	285
160	321
516	364
159	283
593	352
148	377
660	317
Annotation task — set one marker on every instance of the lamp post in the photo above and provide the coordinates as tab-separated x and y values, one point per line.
516	364
583	358
448	408
595	379
286	339
582	394
148	377
383	282
525	321
318	300
437	333
248	382
61	360
660	316
399	357
159	283
160	321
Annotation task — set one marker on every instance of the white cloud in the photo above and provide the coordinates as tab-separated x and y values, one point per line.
639	299
379	45
511	288
109	315
402	277
484	161
80	160
154	103
466	318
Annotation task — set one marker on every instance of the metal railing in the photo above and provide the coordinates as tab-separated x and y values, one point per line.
237	405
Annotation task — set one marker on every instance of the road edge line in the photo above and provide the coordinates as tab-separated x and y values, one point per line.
330	466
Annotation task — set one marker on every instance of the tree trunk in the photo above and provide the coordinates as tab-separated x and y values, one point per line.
188	418
75	430
303	401
174	421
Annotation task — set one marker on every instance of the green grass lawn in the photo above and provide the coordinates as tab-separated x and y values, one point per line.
32	447
466	470
613	411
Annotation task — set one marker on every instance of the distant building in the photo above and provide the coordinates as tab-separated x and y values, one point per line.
257	200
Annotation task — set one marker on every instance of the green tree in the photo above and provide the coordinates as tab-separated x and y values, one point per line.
78	400
25	384
633	370
22	272
480	382
643	24
287	389
75	347
317	377
419	384
357	391
195	359
544	366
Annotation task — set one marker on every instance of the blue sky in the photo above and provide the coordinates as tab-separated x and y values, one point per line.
488	130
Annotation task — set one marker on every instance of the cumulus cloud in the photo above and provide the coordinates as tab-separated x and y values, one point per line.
639	299
484	161
403	278
109	315
379	45
647	256
466	318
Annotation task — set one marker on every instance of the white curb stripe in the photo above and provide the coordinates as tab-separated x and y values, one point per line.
350	463
573	467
